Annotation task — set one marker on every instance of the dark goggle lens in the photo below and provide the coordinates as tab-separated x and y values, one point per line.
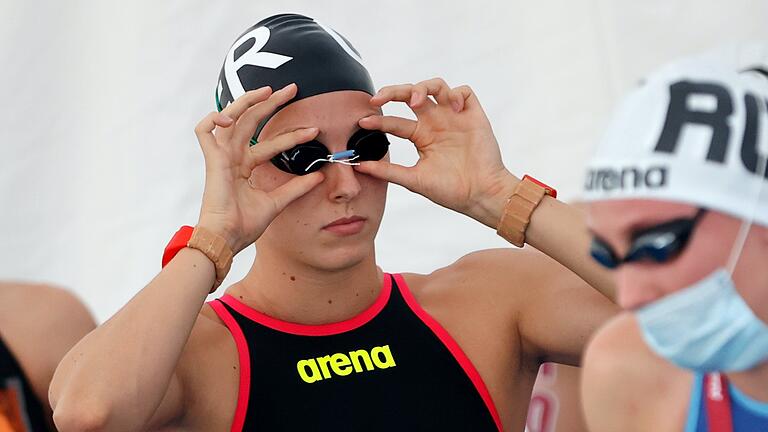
659	243
298	159
603	254
658	247
369	145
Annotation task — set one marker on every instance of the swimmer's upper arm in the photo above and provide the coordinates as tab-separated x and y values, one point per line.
561	311
171	408
554	310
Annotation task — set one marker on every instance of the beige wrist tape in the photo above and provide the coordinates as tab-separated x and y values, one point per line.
518	210
216	249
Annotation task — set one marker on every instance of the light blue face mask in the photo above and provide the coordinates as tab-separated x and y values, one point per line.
706	327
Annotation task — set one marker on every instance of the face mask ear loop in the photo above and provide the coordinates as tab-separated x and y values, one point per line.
741	237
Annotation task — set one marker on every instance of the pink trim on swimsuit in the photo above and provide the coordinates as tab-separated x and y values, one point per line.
314	330
244	358
452	346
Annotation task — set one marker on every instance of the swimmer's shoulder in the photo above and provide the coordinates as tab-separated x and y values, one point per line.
486	276
625	386
504	277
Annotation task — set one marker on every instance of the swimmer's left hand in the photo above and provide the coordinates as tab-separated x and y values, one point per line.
459	164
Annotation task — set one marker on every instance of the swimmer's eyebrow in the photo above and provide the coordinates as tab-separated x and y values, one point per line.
355	128
291	129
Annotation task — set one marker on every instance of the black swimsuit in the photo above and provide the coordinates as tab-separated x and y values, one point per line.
390	368
20	410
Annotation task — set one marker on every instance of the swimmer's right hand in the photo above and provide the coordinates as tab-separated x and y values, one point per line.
232	207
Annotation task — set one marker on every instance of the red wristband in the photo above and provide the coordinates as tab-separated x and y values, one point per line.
178	242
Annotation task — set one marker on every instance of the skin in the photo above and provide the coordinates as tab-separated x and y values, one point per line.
619	370
39	324
491	302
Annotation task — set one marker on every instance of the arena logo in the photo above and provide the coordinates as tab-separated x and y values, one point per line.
610	178
682	113
317	369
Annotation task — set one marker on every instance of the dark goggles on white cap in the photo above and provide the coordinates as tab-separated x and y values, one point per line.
364	145
659	243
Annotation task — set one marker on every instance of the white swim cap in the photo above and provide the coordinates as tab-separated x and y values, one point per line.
695	132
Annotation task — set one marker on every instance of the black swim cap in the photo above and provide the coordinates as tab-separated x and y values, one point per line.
289	48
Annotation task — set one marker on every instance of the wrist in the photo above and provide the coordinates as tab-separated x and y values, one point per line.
489	207
520	207
208	242
232	241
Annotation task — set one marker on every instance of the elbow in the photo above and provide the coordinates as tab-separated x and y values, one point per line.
80	416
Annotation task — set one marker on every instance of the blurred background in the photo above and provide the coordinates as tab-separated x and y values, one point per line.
99	165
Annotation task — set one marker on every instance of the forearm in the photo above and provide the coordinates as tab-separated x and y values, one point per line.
556	228
560	231
123	368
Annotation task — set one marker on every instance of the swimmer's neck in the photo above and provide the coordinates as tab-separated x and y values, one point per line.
296	293
752	382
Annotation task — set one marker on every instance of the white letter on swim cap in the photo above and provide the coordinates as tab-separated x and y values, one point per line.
251	57
342	43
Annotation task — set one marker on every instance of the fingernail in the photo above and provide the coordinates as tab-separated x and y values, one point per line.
456	106
226	118
412	102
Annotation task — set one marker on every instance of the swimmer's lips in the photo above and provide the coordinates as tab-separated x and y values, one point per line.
346	226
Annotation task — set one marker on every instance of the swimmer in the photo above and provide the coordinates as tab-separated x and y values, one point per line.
679	210
316	336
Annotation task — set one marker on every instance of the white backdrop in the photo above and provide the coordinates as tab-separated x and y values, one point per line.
99	164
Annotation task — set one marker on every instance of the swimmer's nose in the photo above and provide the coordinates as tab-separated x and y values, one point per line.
344	185
636	287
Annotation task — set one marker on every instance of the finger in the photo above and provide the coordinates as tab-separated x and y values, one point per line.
393	93
459	97
266	150
246	125
294	189
397	126
241	105
204	129
437	88
419	99
404	93
390	172
249	99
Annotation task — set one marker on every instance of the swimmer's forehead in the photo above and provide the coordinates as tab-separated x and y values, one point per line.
331	113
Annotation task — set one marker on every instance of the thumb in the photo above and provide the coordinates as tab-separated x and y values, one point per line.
295	189
390	172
